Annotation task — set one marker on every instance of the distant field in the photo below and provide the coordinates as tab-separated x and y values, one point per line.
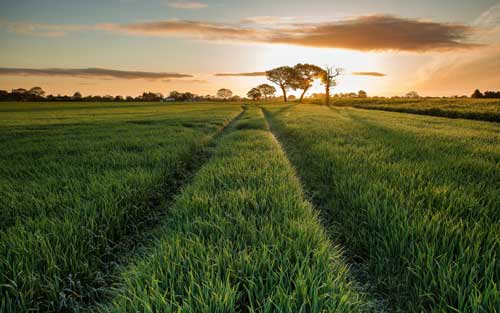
413	199
475	109
246	207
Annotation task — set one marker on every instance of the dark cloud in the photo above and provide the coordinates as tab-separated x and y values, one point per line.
366	33
376	74
250	74
91	73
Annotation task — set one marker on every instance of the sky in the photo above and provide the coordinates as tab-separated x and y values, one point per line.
125	47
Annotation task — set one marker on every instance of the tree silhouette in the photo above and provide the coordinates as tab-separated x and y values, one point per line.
362	94
224	93
254	93
477	94
328	76
36	92
282	76
266	90
305	74
413	95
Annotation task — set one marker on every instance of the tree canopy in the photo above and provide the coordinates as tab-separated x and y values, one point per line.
254	93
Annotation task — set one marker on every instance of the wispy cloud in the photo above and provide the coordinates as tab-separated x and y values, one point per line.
187	5
465	71
249	74
91	73
365	33
39	29
269	20
376	74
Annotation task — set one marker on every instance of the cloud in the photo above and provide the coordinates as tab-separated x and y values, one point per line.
365	33
188	5
464	73
376	74
189	29
256	74
91	73
269	20
379	32
249	74
39	29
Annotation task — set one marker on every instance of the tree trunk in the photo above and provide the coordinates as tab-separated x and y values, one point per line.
302	95
327	94
284	93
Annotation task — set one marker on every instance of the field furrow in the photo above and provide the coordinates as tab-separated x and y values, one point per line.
75	198
413	200
240	238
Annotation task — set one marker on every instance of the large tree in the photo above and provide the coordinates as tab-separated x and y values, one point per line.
305	74
328	76
254	93
266	90
224	93
283	77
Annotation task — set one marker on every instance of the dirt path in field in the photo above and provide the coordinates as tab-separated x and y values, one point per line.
358	275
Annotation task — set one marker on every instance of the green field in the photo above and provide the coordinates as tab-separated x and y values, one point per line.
474	109
246	207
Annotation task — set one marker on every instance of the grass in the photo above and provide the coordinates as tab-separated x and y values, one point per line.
76	180
151	207
413	199
240	238
475	109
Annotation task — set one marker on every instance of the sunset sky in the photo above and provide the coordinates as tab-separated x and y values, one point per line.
387	47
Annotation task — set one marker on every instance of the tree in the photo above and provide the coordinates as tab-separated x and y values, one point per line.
224	93
175	94
266	90
328	76
362	94
4	95
491	94
477	94
283	77
77	95
151	96
305	74
254	93
36	92
413	95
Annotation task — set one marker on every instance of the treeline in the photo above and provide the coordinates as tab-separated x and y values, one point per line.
38	94
486	95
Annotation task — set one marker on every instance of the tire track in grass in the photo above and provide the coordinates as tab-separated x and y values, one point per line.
240	238
146	231
357	275
82	295
391	212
